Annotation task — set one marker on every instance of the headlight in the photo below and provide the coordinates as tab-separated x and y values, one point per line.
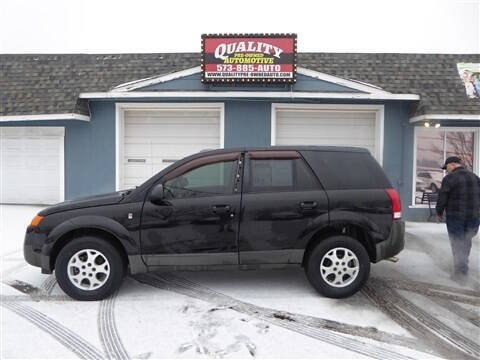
36	221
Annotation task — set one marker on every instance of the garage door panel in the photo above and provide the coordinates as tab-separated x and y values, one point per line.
355	128
169	114
31	171
138	170
144	141
361	132
185	147
172	121
155	131
331	116
34	146
157	138
167	150
326	122
325	141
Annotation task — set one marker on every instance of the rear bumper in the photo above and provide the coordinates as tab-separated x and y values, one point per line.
34	250
393	244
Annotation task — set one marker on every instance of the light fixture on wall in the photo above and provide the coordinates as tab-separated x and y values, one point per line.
428	124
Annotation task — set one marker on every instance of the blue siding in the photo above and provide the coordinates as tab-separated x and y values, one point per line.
190	83
99	158
306	83
89	151
396	115
247	123
193	83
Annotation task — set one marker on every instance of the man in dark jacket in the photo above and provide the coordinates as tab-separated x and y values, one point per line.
460	197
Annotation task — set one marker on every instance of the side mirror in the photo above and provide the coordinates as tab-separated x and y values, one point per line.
156	196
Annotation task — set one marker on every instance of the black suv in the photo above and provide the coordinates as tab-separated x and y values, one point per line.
330	210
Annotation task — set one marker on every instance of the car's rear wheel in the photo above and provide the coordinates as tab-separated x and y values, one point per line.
338	266
89	268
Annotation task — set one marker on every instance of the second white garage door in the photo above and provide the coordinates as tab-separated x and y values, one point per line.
154	139
31	165
328	126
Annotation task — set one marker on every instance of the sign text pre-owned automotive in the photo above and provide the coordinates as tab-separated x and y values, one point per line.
247	58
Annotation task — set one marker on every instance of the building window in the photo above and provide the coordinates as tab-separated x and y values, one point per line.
432	148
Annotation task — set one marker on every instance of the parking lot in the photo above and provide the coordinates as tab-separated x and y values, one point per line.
408	309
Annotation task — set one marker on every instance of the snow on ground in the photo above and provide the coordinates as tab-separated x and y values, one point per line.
409	309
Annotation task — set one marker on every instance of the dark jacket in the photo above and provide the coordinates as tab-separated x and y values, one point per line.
460	195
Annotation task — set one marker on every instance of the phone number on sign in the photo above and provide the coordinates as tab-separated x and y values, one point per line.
250	68
246	75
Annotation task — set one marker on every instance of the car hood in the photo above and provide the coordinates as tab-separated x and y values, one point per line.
85	202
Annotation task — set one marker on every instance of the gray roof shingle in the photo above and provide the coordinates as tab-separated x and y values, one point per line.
50	84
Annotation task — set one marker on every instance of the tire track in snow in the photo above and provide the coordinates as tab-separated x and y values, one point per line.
311	321
434	324
471	316
439	337
36	298
24	287
48	285
188	288
454	337
34	293
432	290
108	333
63	335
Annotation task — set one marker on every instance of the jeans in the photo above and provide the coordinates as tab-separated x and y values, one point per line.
461	232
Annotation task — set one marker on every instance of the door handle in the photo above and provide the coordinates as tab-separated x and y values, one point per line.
308	205
221	209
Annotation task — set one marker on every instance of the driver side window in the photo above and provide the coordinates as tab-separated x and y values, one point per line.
207	180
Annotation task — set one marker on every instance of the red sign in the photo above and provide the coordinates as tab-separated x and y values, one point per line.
249	58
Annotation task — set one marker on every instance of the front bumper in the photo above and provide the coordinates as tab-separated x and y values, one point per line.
35	251
393	244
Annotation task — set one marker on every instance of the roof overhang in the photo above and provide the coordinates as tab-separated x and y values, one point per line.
137	84
459	117
245	94
38	117
367	91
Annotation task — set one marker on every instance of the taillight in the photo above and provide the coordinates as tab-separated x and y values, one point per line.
396	204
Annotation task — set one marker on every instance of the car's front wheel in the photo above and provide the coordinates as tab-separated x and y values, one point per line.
89	268
338	266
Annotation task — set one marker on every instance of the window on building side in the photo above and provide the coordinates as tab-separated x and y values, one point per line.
432	148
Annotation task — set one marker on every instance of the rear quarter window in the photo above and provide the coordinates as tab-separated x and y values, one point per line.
338	170
271	175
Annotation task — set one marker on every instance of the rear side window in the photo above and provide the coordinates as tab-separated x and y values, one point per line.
270	175
347	170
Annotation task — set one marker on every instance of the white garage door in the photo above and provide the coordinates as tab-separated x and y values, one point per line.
154	139
32	165
327	127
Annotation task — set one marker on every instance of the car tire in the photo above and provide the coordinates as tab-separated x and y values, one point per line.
331	276
89	268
